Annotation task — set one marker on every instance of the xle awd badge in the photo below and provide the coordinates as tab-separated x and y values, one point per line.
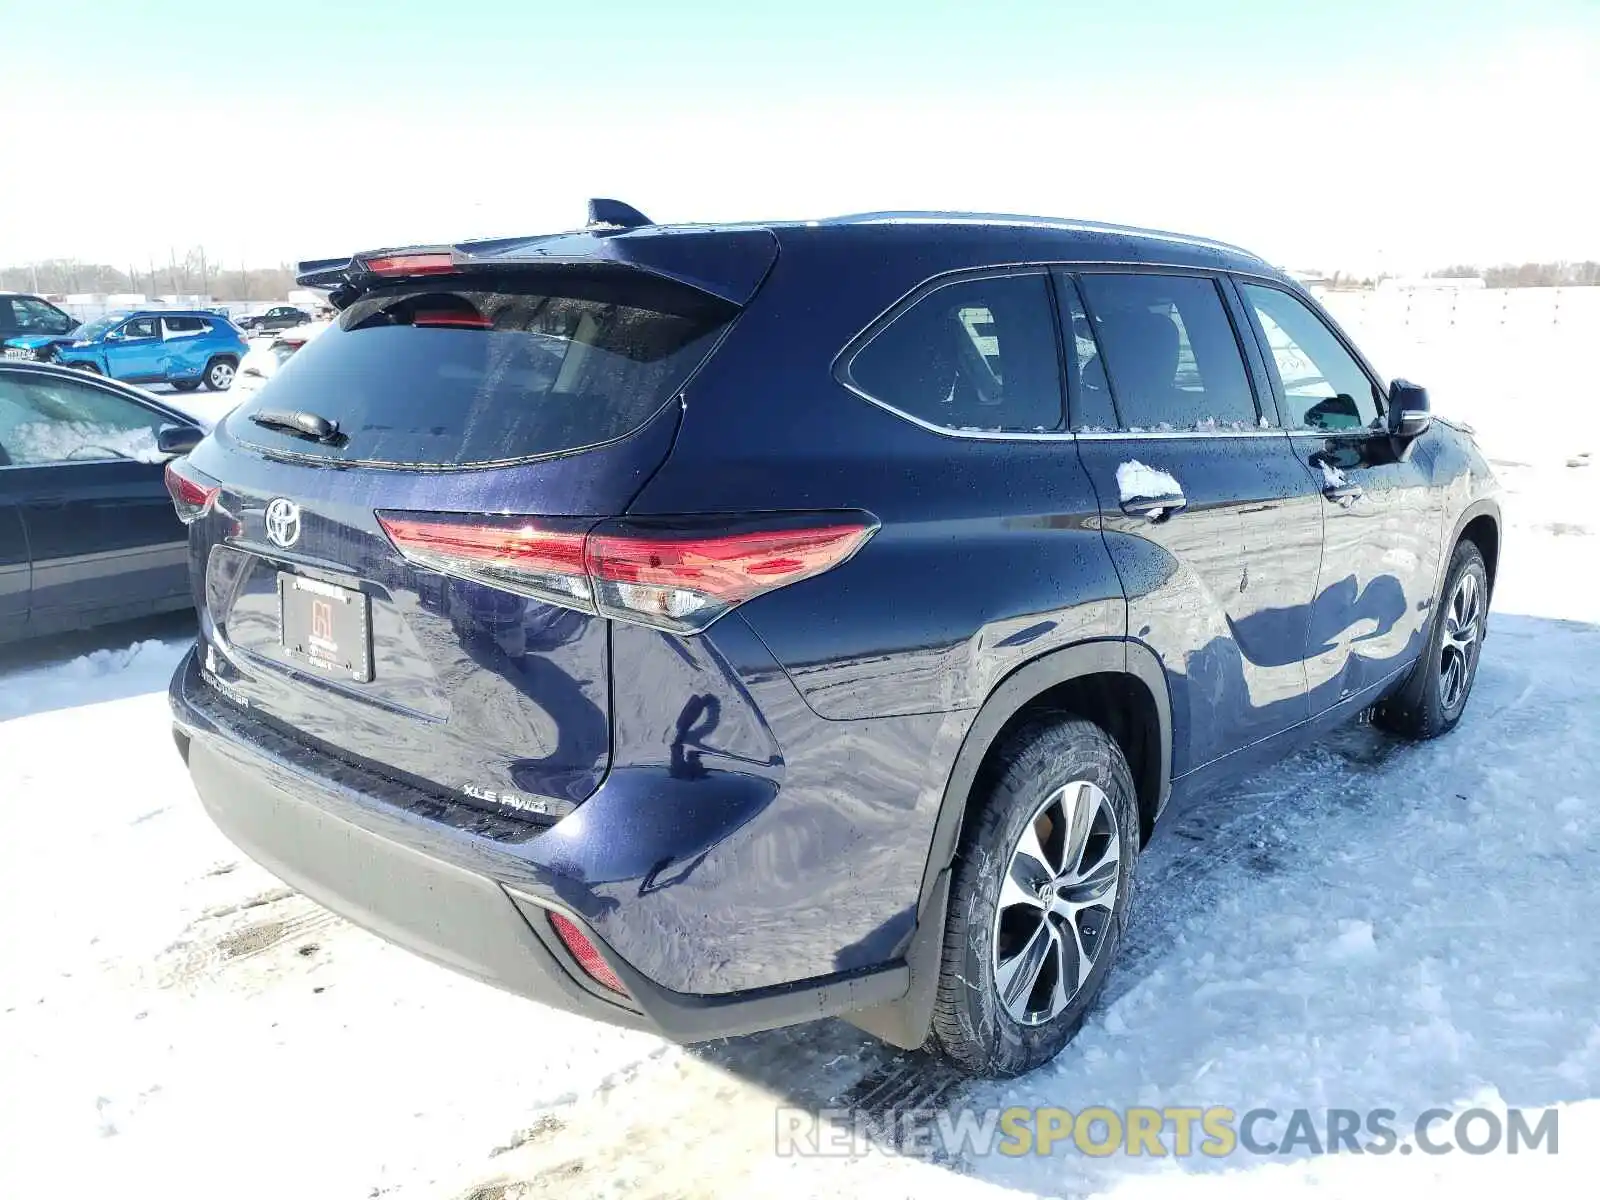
283	522
508	799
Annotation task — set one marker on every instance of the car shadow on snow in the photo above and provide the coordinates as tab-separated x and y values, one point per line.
111	662
1368	924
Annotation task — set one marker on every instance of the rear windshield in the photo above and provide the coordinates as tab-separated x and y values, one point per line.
464	372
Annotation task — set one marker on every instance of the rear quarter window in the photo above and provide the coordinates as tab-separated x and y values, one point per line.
476	371
973	355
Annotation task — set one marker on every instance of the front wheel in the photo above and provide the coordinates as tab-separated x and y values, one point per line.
219	374
1435	694
1039	899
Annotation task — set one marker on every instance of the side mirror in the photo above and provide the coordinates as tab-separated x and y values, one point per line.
113	335
178	439
1409	414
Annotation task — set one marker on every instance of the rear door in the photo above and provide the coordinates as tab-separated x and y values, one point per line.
391	591
184	346
87	479
1208	515
1383	523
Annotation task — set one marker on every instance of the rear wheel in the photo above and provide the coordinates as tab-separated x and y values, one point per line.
1435	694
1039	899
219	374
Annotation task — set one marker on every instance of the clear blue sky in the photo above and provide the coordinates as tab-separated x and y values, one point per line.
1355	133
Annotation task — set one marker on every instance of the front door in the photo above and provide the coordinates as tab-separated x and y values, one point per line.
1383	522
1209	517
134	351
87	481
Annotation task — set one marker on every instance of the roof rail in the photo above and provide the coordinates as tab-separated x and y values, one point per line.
614	214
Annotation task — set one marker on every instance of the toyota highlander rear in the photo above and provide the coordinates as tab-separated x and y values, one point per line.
444	683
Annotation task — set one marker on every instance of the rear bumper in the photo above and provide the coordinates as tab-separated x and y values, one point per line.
477	905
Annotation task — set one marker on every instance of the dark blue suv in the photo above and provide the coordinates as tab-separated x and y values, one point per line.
710	628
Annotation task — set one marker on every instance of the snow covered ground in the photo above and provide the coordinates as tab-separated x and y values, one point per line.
1369	924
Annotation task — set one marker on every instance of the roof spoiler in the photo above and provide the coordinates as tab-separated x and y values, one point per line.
728	263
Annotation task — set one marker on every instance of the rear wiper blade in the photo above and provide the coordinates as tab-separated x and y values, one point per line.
298	422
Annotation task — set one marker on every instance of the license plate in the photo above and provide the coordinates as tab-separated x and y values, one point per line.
326	627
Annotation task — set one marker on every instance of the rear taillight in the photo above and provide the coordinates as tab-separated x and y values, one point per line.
581	948
676	576
192	493
511	553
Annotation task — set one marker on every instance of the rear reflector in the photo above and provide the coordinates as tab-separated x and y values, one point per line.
192	493
679	577
582	949
429	263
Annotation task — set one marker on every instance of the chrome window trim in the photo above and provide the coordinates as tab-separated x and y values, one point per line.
1325	434
972	435
1129	435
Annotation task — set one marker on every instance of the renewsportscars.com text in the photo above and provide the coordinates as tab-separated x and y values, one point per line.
1176	1131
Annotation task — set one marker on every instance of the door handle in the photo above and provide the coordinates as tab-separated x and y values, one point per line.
1155	508
1343	494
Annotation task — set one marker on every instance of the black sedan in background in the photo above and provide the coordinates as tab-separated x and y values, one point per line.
88	534
282	316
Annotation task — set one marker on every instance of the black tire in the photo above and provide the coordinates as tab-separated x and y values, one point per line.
972	1026
1423	708
85	366
184	385
219	373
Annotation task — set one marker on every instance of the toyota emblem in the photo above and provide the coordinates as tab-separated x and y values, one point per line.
283	522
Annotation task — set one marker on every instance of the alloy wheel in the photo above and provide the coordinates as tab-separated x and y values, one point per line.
1056	902
221	376
1463	623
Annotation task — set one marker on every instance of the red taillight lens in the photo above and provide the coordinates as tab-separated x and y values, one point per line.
192	493
440	262
510	553
582	949
675	578
685	583
451	320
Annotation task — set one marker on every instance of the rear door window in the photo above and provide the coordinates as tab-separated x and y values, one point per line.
975	355
1170	352
180	327
494	369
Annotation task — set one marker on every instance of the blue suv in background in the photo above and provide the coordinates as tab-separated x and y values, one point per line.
183	347
713	628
